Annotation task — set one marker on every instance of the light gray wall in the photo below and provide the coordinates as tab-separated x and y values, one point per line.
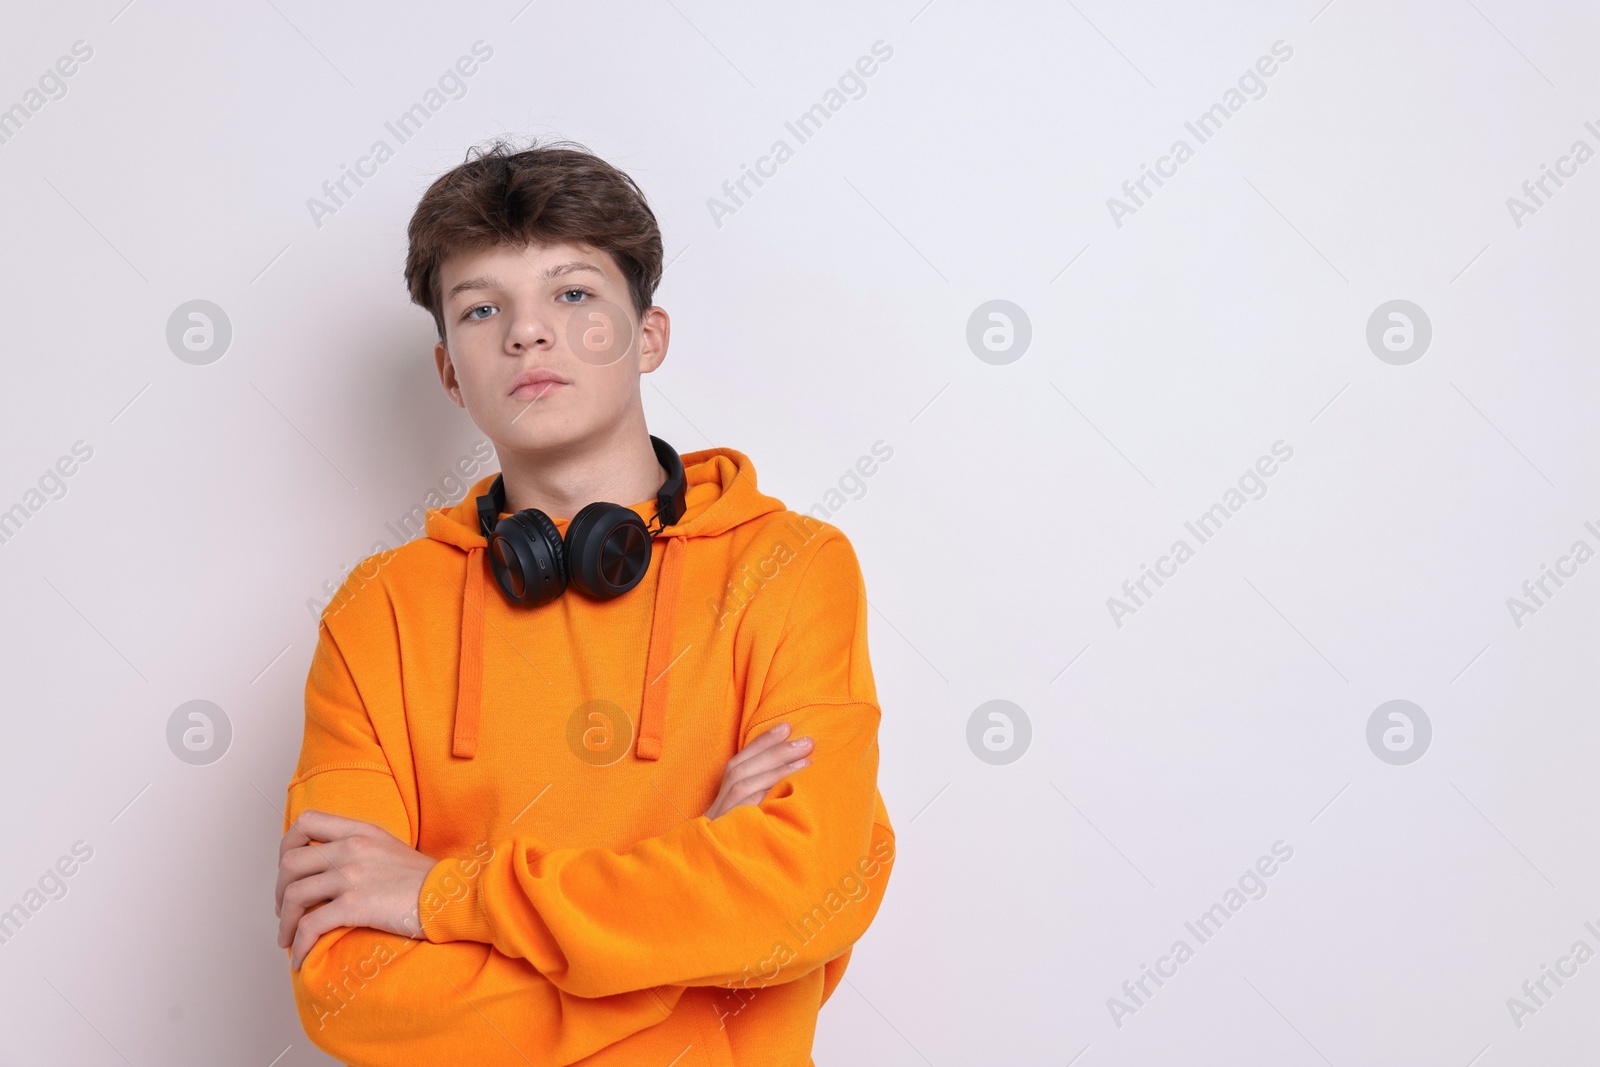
1171	347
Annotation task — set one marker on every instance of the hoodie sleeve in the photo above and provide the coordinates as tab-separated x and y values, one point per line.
373	998
762	895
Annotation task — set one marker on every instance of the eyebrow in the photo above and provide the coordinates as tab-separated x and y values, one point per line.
489	282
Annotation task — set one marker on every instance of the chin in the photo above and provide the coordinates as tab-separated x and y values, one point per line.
536	432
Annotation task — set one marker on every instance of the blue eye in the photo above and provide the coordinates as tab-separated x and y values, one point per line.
472	313
580	292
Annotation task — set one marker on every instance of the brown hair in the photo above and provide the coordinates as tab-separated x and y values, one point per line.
540	194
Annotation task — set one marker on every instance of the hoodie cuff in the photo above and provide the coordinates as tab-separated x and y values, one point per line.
451	905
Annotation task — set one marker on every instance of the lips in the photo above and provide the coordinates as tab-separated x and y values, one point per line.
536	384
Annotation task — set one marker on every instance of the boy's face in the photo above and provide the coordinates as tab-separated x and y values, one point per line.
514	314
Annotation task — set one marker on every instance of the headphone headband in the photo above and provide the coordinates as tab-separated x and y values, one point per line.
671	498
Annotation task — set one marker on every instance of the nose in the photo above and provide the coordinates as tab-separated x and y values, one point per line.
530	330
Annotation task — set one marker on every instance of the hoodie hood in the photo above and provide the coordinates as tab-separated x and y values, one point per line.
721	495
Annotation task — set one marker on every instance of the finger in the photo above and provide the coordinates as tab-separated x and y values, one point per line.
295	836
313	825
300	897
761	783
771	759
292	839
720	806
313	858
761	743
750	799
299	863
313	926
764	779
777	754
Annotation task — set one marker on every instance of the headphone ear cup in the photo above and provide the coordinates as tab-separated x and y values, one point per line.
528	558
608	550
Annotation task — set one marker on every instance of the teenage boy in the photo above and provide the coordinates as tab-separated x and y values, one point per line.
580	782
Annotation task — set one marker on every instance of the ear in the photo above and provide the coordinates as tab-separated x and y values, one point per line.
447	374
655	331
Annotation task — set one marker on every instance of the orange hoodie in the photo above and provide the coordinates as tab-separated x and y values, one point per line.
556	761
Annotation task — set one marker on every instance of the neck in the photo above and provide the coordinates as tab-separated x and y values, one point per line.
619	465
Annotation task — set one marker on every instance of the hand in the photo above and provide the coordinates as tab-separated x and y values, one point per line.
758	767
347	873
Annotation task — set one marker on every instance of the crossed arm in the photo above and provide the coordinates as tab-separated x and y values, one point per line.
529	954
337	871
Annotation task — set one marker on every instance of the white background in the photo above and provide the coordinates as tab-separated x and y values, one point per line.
827	313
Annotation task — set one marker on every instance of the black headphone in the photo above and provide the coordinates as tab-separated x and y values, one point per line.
606	552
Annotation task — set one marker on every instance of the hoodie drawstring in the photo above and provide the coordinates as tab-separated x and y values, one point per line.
659	659
469	668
